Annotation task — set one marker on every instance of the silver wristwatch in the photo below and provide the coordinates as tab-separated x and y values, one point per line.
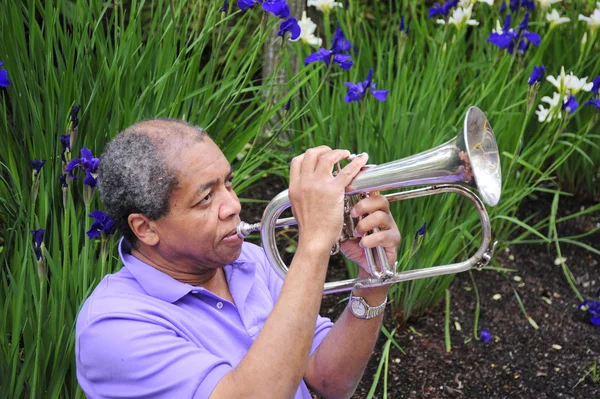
361	309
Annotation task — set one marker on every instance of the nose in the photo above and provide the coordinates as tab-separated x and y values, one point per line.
231	206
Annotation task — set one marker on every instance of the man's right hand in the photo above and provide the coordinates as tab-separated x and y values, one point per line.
317	196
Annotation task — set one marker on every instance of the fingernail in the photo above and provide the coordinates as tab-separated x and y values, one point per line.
362	154
353	213
352	156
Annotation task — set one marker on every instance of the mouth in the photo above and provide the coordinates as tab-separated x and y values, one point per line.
231	236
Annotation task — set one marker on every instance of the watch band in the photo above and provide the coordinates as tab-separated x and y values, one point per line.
361	309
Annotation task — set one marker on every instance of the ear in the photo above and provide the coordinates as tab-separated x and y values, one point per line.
142	228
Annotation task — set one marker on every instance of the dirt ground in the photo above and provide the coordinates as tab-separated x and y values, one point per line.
520	361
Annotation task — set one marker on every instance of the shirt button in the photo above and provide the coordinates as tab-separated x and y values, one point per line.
219	305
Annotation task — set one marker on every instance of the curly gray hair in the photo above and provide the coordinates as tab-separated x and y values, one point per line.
136	174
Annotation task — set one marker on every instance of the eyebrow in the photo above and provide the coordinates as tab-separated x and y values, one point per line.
211	183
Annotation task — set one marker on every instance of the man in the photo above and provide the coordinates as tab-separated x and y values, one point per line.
195	312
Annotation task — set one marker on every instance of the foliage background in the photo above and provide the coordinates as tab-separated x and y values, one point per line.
125	61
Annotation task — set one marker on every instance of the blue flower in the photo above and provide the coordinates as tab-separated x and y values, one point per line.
515	4
290	25
38	237
74	112
444	9
65	140
403	27
102	224
63	180
4	82
225	6
537	75
327	56
86	162
593	310
507	38
593	102
503	6
421	232
596	86
288	104
357	91
37	165
485	336
570	105
275	7
339	43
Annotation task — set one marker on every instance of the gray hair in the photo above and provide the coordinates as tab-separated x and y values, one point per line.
136	174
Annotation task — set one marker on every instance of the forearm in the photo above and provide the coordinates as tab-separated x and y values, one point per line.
336	367
276	362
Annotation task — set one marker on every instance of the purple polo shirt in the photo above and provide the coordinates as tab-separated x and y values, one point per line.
142	334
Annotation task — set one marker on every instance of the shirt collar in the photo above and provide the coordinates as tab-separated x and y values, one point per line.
164	287
153	281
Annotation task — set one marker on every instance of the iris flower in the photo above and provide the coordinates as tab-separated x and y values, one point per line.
357	91
444	9
4	82
225	6
275	7
506	38
570	104
545	4
38	238
485	336
593	308
290	26
403	27
325	6
327	56
555	19
421	232
593	20
339	43
307	31
102	224
74	113
537	75
88	163
596	85
63	180
593	102
37	165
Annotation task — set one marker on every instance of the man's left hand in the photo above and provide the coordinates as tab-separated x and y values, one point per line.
375	211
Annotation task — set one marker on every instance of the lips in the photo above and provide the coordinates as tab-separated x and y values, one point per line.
231	236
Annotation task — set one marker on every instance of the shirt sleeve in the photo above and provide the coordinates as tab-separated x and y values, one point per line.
128	356
275	283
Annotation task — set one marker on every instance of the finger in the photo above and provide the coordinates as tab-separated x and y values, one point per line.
296	167
377	219
349	172
374	202
383	238
311	158
328	160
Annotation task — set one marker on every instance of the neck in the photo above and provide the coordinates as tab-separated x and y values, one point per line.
208	278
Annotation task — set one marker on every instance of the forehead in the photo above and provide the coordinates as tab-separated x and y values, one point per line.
201	161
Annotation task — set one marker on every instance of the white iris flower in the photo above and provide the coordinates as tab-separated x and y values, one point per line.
325	6
307	34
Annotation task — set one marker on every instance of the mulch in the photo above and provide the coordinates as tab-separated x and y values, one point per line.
520	361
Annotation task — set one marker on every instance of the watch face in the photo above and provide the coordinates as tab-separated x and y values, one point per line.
358	308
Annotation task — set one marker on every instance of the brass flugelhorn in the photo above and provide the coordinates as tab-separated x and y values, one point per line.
469	160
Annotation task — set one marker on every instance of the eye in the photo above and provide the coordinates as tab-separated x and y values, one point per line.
229	181
205	199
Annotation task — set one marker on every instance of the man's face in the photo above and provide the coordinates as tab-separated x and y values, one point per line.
199	232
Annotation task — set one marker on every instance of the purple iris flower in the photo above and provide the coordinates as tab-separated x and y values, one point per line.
290	25
503	6
593	310
593	102
86	162
444	9
287	105
74	112
65	140
357	91
596	87
421	232
485	336
537	75
339	43
102	224
37	165
515	4
570	105
225	6
4	82
327	56
63	180
508	38
403	27
275	7
38	238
